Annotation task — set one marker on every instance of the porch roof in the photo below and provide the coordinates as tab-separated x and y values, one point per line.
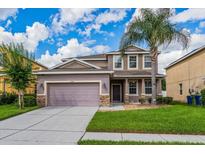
139	73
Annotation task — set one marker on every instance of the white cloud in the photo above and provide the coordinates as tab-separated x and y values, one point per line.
30	39
174	51
72	49
189	15
50	60
202	24
165	59
112	15
197	30
5	13
70	17
8	23
101	49
109	16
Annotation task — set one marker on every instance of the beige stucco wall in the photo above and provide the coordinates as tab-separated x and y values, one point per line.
190	73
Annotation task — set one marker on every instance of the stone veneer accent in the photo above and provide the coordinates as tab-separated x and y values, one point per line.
41	100
126	99
104	100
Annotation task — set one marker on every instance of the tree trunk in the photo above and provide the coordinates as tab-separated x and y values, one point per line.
154	55
22	99
19	98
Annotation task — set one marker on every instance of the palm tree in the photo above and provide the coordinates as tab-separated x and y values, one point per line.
153	29
17	65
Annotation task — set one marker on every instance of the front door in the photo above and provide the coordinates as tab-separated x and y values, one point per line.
116	88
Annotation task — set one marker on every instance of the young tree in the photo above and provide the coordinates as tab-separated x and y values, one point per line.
17	65
153	29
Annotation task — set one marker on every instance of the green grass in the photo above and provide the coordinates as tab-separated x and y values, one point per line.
101	142
175	119
7	111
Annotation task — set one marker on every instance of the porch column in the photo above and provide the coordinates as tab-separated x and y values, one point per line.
126	99
143	87
159	87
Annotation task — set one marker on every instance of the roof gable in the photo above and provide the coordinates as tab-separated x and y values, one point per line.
75	63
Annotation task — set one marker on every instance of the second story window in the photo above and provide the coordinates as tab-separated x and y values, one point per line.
132	61
117	62
180	89
147	61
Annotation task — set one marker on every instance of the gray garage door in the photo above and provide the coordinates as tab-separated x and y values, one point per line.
73	94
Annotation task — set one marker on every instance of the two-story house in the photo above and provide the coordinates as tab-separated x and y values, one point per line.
98	79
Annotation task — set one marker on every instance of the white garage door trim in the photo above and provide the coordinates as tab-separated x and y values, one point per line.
72	81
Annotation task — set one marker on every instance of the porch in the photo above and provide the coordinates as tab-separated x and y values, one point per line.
130	90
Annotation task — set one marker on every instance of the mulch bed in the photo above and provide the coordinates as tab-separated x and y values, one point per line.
142	106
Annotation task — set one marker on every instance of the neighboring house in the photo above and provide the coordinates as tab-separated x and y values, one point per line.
98	79
6	87
186	75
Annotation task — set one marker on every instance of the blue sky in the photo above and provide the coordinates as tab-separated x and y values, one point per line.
56	33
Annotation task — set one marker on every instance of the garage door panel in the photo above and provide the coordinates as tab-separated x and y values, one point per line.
73	94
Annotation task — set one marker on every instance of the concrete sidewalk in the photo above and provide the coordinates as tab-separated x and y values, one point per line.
143	137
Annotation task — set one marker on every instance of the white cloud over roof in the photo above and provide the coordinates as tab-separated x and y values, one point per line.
73	48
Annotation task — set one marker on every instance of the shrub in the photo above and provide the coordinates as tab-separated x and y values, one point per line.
142	100
159	100
168	100
149	100
8	98
164	100
29	101
203	96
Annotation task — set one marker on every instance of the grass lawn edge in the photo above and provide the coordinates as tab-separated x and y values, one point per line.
26	109
103	142
152	121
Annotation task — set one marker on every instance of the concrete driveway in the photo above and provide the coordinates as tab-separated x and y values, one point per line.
49	125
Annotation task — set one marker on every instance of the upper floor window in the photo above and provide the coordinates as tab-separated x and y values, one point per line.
132	87
117	62
180	89
148	86
147	61
132	61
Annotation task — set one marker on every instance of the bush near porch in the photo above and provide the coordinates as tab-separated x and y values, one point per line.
11	98
174	119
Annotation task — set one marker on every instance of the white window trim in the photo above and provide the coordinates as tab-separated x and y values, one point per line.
145	68
136	88
145	88
128	64
113	60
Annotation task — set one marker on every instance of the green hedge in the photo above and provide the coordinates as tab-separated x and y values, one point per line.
164	100
29	101
8	98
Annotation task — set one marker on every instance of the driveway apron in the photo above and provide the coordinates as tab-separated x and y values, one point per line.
48	125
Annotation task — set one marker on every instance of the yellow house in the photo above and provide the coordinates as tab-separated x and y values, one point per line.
6	87
186	75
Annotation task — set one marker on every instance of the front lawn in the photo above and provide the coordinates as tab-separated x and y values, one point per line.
97	142
11	110
175	119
